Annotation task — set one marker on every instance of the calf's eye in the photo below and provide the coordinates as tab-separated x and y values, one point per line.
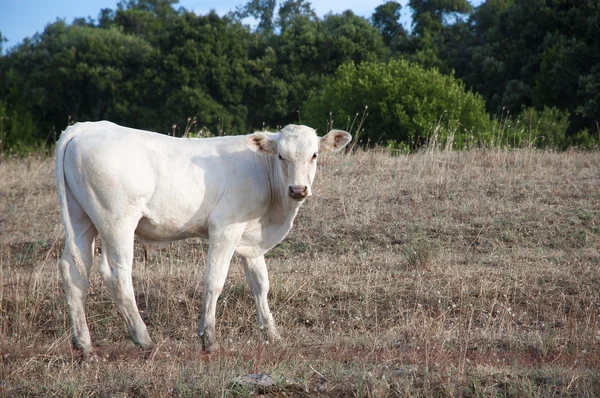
314	156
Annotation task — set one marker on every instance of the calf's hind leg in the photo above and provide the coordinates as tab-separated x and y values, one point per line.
75	276
115	268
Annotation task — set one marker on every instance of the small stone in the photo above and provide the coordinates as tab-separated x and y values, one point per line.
264	381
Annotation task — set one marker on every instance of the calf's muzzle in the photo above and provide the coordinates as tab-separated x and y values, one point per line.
298	192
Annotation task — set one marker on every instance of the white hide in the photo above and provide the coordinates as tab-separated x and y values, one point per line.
241	193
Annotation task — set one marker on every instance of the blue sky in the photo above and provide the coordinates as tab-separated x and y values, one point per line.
23	18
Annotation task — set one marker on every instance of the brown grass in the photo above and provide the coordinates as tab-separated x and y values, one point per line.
436	274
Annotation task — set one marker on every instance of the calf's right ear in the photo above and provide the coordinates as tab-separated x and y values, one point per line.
334	141
261	143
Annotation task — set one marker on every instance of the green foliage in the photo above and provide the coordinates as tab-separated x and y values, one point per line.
405	103
17	131
386	18
151	65
546	128
532	53
147	65
429	16
309	50
205	73
263	11
292	9
548	125
349	37
432	19
584	139
75	72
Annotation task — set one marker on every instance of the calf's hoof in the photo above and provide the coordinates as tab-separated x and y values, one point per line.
209	345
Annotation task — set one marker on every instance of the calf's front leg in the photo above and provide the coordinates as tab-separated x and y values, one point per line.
257	277
221	246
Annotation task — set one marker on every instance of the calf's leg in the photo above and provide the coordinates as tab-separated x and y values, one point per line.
257	277
115	268
222	243
75	271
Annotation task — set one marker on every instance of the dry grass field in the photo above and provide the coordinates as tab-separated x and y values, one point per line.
436	274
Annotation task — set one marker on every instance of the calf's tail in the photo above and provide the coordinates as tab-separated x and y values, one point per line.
61	186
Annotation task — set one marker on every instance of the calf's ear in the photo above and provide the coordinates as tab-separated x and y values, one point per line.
334	141
261	143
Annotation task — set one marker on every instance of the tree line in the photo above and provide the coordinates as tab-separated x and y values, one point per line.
526	68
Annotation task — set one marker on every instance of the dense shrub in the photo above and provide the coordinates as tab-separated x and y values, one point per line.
545	128
406	103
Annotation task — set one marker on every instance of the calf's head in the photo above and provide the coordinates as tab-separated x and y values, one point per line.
297	149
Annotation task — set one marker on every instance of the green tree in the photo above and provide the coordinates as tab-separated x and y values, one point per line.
17	126
386	19
267	95
541	53
146	18
289	10
73	72
310	49
430	16
430	22
205	72
263	11
2	40
349	37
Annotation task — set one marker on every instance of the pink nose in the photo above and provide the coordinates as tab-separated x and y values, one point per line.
298	191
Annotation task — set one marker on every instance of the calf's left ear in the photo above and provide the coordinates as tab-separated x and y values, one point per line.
334	141
261	143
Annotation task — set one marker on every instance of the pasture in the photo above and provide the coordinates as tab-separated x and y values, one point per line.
471	273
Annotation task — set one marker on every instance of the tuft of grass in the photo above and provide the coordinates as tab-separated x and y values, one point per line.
439	273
